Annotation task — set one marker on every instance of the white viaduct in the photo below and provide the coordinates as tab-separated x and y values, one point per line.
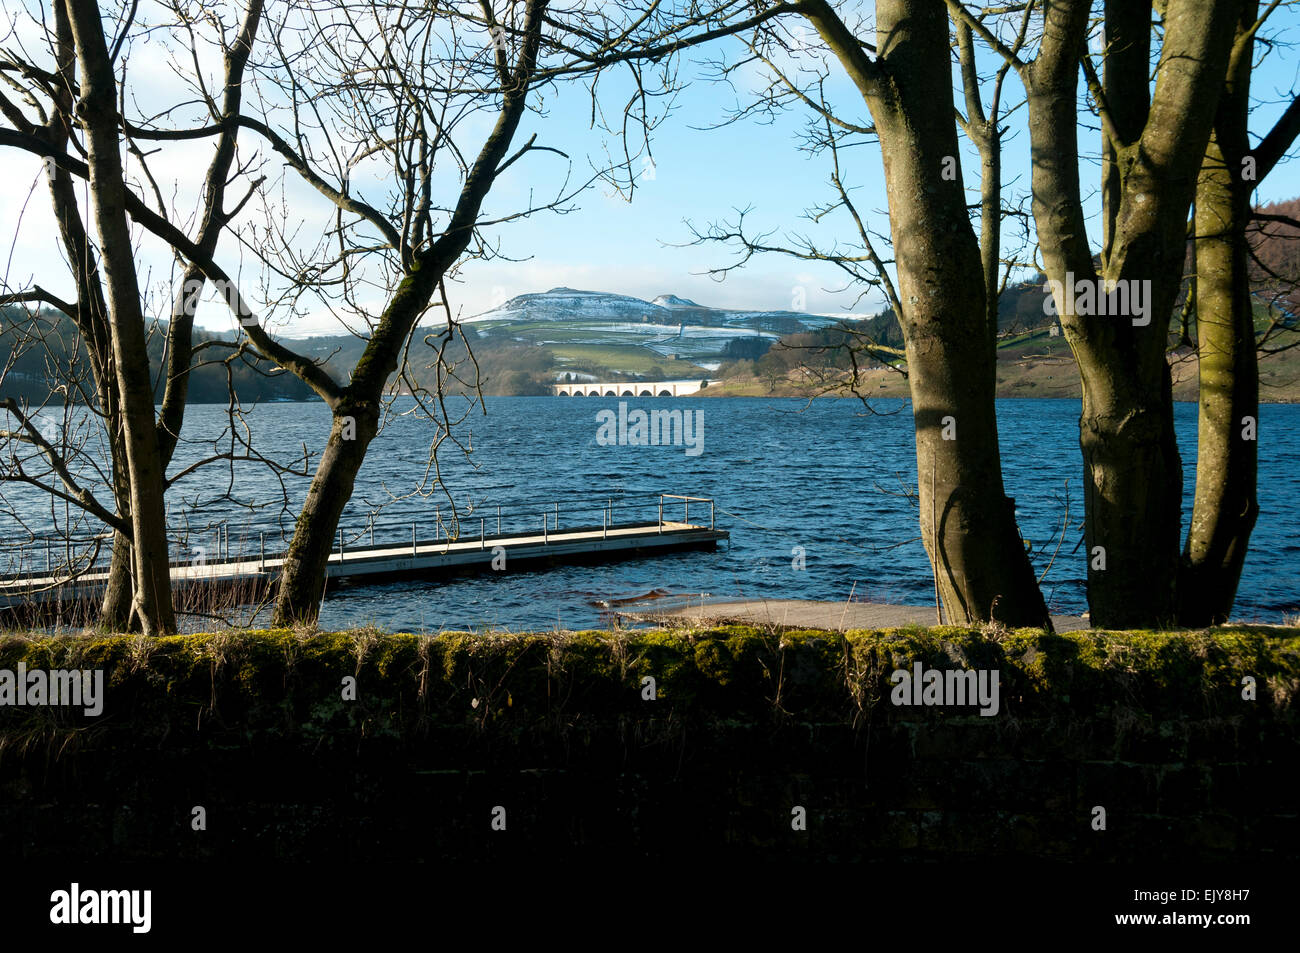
629	389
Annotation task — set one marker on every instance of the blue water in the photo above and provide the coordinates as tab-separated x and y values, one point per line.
827	476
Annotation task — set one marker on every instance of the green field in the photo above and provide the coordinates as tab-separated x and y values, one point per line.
625	359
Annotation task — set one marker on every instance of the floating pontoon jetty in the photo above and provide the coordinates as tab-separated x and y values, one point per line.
477	542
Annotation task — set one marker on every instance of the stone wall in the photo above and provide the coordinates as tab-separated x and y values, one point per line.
745	727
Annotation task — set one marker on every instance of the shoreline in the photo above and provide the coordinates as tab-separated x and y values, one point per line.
811	614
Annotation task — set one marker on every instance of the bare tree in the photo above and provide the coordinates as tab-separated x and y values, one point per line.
52	97
948	282
97	111
1152	142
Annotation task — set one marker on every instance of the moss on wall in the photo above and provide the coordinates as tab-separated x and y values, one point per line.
745	719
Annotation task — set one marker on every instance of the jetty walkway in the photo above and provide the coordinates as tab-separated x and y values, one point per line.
481	544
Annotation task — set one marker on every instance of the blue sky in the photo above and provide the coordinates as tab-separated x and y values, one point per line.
704	175
608	244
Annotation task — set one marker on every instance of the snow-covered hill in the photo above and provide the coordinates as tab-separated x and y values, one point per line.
569	304
672	301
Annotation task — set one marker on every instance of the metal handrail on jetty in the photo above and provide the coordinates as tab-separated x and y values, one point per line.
391	549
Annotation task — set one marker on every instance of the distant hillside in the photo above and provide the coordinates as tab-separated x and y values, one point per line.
672	301
667	310
1275	264
1020	309
597	335
33	372
1035	363
565	334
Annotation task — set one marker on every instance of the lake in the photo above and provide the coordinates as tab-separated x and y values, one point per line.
829	476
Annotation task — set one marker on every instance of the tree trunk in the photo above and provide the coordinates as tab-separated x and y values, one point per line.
1225	509
967	520
1132	470
302	582
98	110
91	318
356	422
356	407
115	607
92	324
